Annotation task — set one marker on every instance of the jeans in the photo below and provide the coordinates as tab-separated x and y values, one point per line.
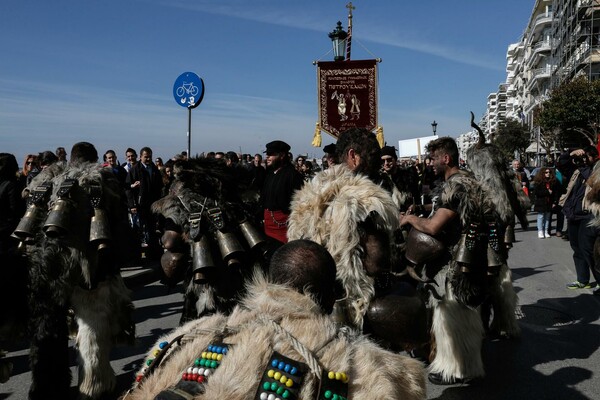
582	238
543	221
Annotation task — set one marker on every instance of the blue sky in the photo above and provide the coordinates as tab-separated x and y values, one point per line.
103	71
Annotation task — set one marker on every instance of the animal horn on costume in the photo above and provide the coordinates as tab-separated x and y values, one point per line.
481	141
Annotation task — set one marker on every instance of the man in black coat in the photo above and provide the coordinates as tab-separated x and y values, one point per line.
143	187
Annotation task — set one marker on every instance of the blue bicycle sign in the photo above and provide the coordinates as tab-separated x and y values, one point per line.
188	90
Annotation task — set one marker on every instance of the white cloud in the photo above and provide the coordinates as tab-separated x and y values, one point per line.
377	33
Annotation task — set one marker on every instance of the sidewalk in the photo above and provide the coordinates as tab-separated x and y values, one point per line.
146	272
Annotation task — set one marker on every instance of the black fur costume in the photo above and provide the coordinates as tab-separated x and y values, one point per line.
71	279
205	203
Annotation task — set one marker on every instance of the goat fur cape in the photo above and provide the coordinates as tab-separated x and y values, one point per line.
374	373
328	210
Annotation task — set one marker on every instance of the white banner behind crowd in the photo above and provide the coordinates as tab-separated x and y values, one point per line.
414	147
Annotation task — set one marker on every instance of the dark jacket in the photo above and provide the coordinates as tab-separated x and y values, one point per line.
150	188
12	208
544	200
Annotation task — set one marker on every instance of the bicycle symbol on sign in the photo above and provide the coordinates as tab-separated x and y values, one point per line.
188	88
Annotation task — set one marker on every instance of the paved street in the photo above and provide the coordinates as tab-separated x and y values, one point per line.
556	358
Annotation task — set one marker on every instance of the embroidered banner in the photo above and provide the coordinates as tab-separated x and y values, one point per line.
347	95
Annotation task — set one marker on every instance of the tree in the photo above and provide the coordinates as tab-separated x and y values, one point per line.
571	113
511	136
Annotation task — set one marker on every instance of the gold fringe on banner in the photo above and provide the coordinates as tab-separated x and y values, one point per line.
380	139
316	142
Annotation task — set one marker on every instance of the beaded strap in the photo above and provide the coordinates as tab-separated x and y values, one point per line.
282	379
206	364
334	386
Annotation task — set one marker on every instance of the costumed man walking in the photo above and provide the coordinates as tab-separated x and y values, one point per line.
504	190
281	181
346	209
278	343
455	278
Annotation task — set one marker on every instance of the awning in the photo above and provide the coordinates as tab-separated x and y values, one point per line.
534	148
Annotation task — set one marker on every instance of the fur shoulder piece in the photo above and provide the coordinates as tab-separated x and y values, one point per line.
464	192
328	210
277	300
491	170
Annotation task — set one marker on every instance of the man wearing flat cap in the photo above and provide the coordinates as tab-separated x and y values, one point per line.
406	180
281	182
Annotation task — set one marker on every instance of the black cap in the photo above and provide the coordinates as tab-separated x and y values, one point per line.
277	146
329	149
389	151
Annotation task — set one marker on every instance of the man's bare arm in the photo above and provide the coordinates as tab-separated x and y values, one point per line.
431	226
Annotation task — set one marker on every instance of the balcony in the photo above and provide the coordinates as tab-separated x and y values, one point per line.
539	75
538	24
538	51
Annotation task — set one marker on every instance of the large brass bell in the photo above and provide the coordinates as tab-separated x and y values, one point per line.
463	254
59	219
202	262
252	235
229	246
29	223
100	227
494	259
421	247
35	213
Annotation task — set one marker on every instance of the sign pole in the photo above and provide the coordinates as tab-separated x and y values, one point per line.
188	91
189	133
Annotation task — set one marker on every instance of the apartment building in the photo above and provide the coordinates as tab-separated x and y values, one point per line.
560	42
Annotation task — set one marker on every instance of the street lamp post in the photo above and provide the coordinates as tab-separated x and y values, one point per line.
434	127
338	39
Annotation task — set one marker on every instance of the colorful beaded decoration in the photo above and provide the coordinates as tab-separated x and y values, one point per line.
334	386
206	364
493	236
153	354
282	379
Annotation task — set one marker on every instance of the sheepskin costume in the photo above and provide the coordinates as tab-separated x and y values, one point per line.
454	295
70	278
328	210
276	318
504	191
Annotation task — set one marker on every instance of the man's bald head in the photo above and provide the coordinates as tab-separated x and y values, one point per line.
307	267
